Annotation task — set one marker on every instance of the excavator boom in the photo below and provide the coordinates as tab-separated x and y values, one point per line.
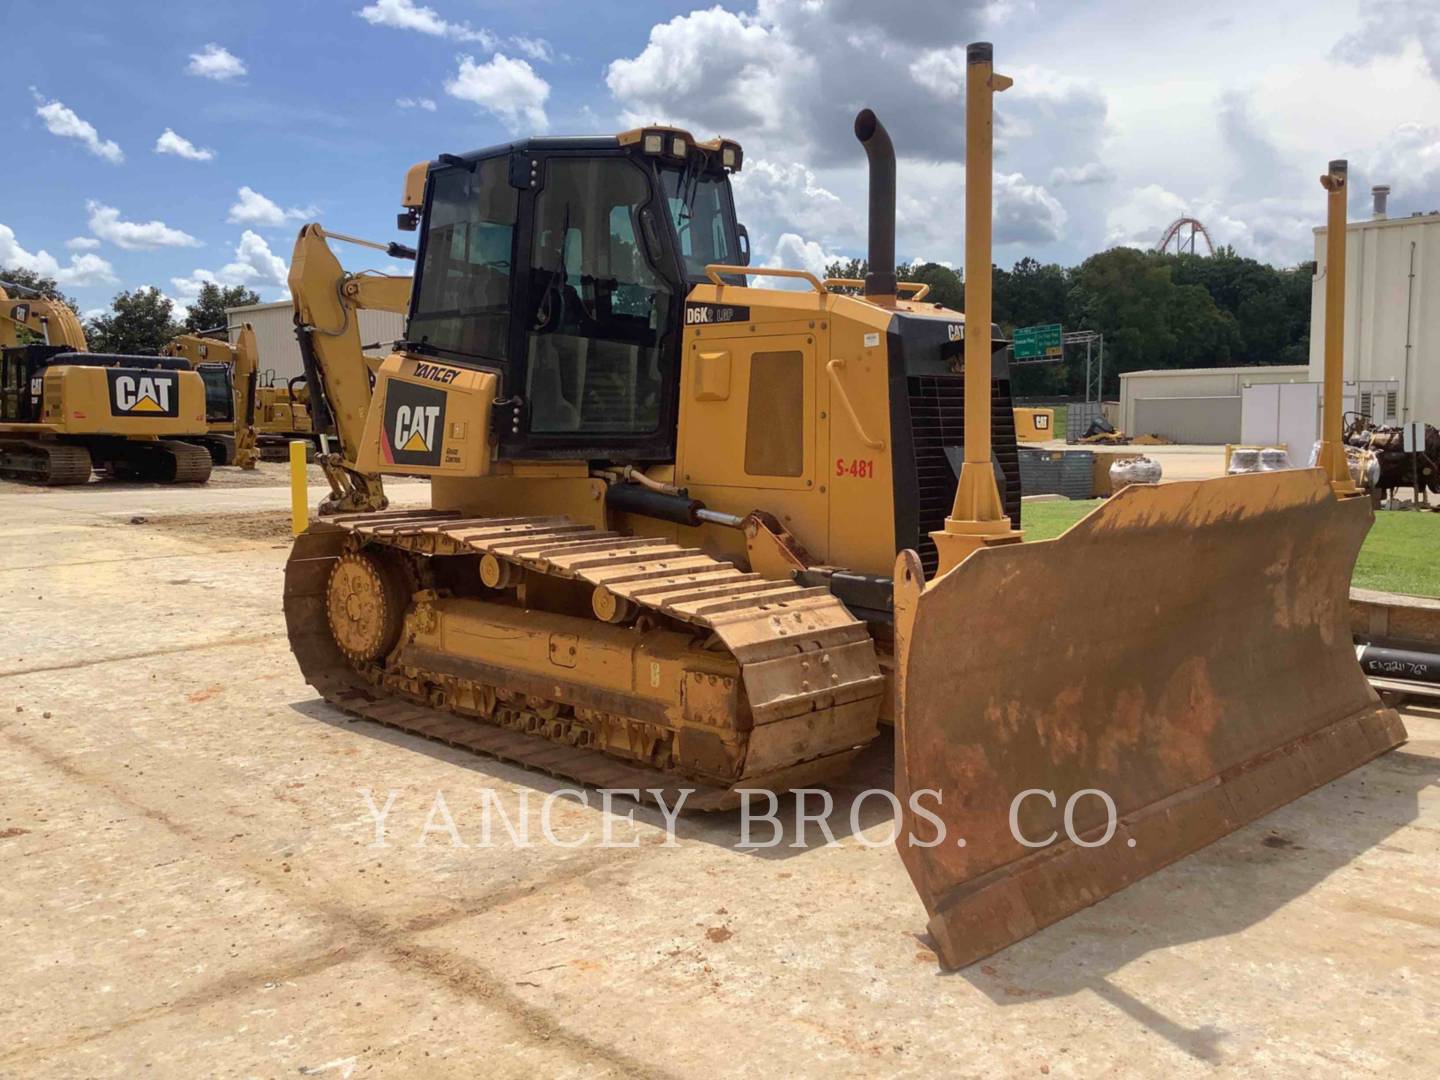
327	305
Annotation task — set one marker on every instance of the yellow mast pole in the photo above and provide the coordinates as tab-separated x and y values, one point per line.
978	516
1332	448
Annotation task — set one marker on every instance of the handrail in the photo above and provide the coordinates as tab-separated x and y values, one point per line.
921	289
833	370
714	270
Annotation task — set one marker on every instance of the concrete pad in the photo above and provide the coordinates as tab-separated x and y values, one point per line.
192	882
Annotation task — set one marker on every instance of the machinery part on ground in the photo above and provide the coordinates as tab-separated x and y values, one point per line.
1399	665
1396	467
1172	720
725	622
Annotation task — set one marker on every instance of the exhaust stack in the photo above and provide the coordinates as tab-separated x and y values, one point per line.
880	281
1379	193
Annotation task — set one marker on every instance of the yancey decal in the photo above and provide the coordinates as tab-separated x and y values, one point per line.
414	425
708	314
143	393
436	372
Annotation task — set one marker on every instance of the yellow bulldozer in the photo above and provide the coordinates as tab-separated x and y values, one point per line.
65	411
693	537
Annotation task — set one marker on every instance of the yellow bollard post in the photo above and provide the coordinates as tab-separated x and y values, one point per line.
299	488
1332	447
978	517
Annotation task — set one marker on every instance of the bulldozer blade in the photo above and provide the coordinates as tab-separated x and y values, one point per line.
1075	714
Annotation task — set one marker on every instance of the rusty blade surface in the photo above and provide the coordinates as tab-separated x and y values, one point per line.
1184	649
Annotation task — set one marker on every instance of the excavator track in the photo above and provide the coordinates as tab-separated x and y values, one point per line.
808	676
52	464
183	463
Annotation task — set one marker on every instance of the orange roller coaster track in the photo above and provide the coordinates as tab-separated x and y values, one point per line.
1177	235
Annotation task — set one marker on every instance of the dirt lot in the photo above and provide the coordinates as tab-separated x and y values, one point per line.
191	883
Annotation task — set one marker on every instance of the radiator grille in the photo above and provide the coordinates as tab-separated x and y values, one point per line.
937	420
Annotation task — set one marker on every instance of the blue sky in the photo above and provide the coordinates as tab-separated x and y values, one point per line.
1124	115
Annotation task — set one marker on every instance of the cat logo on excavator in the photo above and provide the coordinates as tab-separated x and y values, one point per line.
143	393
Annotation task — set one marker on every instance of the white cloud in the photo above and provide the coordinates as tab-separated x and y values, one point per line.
795	253
775	198
1026	213
254	265
1092	172
170	143
105	223
252	208
81	271
215	62
508	88
1387	26
408	15
535	48
255	262
62	121
415	103
82	243
724	71
787	81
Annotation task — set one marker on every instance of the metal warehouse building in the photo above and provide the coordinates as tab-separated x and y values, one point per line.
1392	312
275	335
1194	405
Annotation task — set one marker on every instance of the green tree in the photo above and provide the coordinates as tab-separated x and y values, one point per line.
45	286
207	312
138	324
946	286
1032	294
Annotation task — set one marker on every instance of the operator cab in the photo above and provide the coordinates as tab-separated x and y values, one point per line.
563	264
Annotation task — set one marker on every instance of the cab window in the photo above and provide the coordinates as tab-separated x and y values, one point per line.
598	309
462	304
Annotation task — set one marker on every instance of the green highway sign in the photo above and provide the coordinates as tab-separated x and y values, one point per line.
1037	342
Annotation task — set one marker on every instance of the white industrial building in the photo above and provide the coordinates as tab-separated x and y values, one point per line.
274	326
1195	405
1392	314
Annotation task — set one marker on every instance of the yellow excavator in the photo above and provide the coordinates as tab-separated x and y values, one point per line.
693	537
231	375
65	411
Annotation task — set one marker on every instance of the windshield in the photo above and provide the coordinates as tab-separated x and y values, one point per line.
462	299
703	216
219	404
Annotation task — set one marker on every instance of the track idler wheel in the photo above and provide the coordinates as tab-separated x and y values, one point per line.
365	602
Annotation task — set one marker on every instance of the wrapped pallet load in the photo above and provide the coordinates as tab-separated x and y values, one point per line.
1134	470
